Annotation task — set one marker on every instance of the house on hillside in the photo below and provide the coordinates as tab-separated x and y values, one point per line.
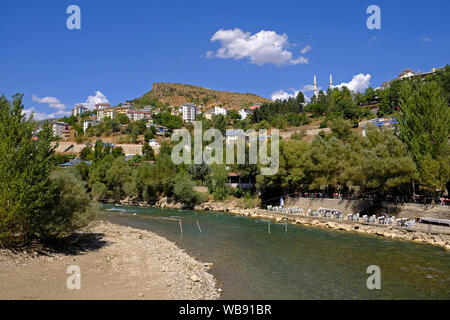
59	129
89	123
148	108
209	114
103	113
235	180
161	130
136	115
124	108
189	112
79	109
102	106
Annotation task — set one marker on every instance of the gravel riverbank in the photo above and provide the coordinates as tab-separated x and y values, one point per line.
116	262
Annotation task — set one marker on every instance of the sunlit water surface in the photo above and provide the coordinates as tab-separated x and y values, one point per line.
302	263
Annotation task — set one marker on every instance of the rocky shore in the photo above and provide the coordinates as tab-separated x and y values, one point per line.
116	262
441	240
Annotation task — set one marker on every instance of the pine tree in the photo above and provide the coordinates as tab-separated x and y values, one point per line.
424	128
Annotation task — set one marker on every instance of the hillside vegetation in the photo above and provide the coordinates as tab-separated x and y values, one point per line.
177	94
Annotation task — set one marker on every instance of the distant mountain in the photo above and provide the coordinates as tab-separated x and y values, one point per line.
177	94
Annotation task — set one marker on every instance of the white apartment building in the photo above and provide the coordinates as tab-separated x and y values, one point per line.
189	112
135	115
105	113
59	128
78	110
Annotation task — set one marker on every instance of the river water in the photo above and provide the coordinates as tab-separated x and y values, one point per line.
300	263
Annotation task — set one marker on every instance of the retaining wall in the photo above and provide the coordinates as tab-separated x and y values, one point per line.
401	210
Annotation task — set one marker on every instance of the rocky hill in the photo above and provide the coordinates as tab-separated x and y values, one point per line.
177	94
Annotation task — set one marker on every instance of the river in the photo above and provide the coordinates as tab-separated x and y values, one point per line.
294	262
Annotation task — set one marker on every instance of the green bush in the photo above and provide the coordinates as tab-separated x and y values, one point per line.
323	125
73	210
36	202
184	189
249	202
202	197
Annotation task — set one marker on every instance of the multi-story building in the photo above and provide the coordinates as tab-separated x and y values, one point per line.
124	108
78	110
148	108
106	113
102	106
59	129
70	133
136	115
189	112
89	123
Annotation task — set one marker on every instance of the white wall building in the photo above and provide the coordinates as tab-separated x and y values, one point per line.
189	112
105	113
135	115
59	128
78	110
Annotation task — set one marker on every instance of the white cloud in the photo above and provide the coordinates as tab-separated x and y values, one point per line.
61	109
426	39
292	93
309	87
38	115
93	100
306	49
51	101
359	83
54	103
283	95
264	47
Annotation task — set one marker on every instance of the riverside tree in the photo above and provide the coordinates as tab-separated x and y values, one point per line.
425	128
33	203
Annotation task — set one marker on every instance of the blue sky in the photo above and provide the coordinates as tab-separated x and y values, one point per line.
125	46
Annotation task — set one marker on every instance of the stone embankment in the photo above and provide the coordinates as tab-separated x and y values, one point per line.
400	210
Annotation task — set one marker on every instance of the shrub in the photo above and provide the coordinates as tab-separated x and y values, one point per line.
298	135
202	197
184	189
323	125
73	210
249	202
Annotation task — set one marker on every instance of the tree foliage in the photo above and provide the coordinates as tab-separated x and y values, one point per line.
34	200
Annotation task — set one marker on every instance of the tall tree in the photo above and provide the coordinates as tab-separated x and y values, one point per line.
425	127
